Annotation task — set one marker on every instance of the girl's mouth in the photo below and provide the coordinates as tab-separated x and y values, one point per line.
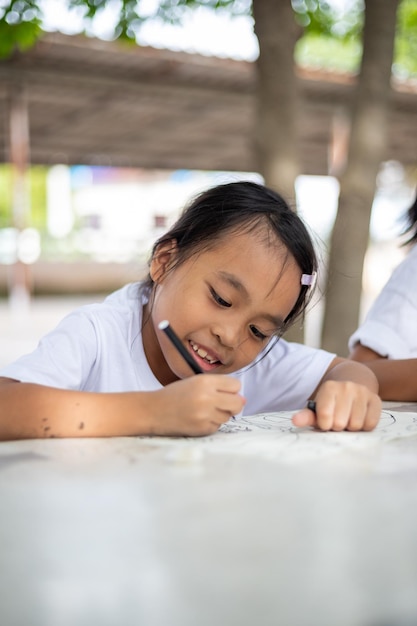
203	354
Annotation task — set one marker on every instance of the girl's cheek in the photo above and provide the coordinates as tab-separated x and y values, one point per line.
247	355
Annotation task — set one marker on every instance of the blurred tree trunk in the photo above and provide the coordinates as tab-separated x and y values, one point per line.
275	137
367	148
277	95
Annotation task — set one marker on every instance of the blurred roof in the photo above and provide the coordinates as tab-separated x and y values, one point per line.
105	103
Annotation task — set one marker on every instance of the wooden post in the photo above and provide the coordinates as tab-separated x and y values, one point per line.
339	146
19	281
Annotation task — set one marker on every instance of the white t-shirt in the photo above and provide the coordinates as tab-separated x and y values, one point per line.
99	348
390	327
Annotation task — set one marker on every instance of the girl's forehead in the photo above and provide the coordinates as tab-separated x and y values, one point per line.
261	260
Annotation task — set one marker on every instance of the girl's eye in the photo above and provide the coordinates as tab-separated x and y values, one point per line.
257	333
218	299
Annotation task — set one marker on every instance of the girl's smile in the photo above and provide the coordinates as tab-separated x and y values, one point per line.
225	303
206	359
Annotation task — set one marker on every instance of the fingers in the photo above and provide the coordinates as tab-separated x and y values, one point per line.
223	383
220	393
342	406
199	405
370	420
303	418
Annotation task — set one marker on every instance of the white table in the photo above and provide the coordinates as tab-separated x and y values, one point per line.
133	532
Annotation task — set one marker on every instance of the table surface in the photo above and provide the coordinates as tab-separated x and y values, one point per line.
141	531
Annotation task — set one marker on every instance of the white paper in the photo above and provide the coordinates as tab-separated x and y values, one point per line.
273	436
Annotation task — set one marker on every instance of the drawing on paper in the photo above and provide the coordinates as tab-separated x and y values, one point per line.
273	436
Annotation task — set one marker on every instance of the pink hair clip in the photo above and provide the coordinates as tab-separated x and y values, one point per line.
309	279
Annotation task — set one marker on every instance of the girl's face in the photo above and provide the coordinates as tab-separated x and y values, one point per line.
225	304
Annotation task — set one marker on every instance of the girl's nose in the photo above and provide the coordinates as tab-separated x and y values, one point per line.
228	335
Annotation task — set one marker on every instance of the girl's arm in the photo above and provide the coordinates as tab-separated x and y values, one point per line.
346	399
397	378
194	406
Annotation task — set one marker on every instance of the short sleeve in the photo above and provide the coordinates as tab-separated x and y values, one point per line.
390	327
63	358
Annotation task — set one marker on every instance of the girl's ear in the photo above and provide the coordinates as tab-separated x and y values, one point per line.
162	260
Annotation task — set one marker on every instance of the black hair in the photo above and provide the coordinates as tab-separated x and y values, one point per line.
411	227
232	207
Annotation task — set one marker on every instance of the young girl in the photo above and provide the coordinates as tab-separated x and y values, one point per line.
387	340
230	276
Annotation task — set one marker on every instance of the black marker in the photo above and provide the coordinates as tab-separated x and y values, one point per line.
164	325
311	405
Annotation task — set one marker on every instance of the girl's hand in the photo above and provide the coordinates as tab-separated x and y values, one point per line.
342	406
195	406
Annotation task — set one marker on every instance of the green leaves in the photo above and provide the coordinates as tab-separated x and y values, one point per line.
322	18
323	21
406	39
19	26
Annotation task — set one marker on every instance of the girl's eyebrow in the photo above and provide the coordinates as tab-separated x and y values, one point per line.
232	280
